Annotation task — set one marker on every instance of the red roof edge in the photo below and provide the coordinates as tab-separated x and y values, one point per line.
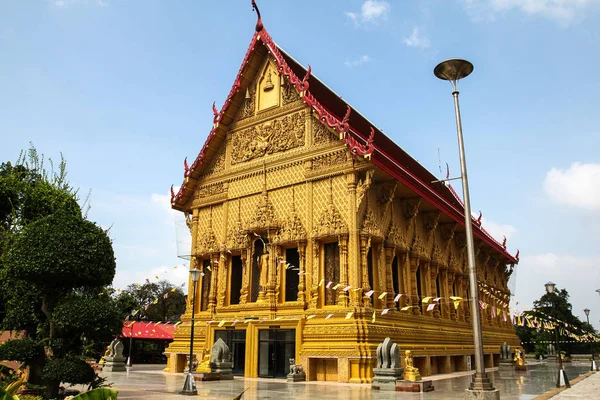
350	136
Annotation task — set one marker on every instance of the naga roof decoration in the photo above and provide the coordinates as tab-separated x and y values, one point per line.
358	133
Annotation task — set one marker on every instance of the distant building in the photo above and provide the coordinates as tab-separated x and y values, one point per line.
319	236
149	340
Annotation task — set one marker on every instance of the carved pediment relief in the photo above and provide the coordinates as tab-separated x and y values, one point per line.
370	225
249	105
437	255
330	223
207	242
237	237
270	137
363	186
396	237
209	190
322	135
291	231
330	160
264	217
418	247
289	94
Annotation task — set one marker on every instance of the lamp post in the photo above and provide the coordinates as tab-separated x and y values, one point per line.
561	372
128	364
189	386
593	366
481	387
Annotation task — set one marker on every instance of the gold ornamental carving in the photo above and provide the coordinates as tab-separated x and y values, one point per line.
291	231
208	242
371	225
249	103
329	160
268	138
217	164
362	187
322	135
264	216
330	223
396	237
209	190
288	92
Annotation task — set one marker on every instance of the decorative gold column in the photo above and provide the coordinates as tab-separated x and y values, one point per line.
302	274
365	243
444	291
314	291
467	301
246	257
404	262
212	295
414	266
354	252
343	296
222	279
452	314
433	273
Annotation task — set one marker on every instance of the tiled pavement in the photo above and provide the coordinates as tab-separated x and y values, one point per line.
148	382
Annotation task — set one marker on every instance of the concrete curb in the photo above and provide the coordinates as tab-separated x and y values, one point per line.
551	393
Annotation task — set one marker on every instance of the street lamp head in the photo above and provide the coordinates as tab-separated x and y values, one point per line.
587	312
195	273
550	286
453	70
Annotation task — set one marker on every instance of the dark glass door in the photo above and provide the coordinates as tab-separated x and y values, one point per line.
236	341
275	348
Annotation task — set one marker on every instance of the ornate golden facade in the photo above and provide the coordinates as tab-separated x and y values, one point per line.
306	241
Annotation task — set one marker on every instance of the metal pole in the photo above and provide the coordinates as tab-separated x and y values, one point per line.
189	386
130	345
480	380
560	365
593	366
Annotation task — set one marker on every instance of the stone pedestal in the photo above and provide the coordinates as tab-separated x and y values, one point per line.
224	369
207	376
301	377
385	378
520	367
388	369
414	386
114	364
482	394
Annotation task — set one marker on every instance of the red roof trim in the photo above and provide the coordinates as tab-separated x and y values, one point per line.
342	126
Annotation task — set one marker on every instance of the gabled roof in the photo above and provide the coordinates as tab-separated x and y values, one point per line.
361	137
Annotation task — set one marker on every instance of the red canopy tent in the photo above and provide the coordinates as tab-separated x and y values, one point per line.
148	330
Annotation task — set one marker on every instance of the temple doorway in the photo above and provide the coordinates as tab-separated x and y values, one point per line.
276	347
236	341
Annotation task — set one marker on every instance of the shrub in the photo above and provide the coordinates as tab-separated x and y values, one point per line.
70	370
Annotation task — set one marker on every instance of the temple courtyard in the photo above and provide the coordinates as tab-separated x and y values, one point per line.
149	382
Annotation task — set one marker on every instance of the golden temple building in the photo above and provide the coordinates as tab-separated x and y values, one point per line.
318	237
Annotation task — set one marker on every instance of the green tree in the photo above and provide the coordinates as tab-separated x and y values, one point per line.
55	266
557	306
159	301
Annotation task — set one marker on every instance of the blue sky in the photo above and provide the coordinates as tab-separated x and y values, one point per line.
124	88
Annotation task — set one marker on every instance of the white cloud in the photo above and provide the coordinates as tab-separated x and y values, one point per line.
372	11
580	276
578	186
560	11
498	231
359	61
417	39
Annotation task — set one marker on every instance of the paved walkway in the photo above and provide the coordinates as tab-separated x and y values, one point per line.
588	388
149	383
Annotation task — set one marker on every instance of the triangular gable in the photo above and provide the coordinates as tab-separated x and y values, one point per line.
353	129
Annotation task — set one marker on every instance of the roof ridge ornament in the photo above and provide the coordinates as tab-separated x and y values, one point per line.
259	24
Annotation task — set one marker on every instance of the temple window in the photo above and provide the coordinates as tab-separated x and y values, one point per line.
291	278
437	286
235	279
370	267
331	273
205	284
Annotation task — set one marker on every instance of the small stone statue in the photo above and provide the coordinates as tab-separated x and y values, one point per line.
388	366
410	372
505	351
296	372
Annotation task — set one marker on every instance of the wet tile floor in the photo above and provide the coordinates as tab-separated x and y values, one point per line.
148	382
